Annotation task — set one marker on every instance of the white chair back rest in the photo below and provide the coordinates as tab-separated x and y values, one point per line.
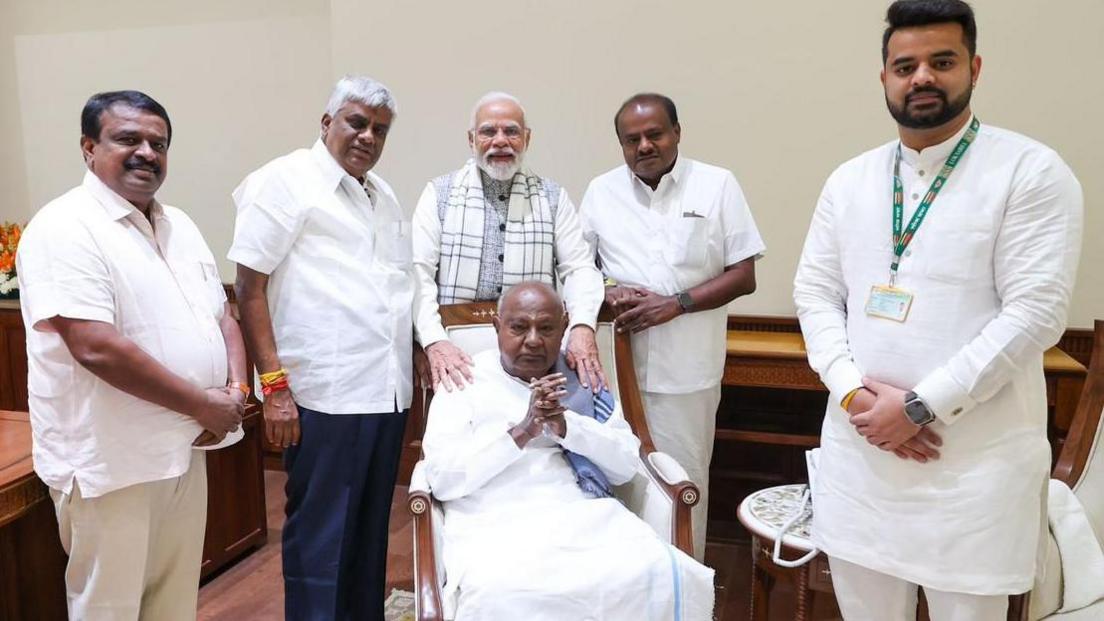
1090	487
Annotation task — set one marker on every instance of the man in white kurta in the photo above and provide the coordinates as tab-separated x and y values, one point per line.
523	540
492	224
986	281
677	240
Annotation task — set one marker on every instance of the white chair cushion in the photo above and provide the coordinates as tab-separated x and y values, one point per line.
1046	595
1090	489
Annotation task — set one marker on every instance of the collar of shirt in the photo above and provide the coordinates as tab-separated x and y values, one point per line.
675	177
118	207
936	154
333	175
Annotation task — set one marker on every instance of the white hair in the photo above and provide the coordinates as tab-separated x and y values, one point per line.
360	89
495	96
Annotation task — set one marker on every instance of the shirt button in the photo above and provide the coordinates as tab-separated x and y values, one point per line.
908	253
500	288
502	197
500	258
956	412
920	172
915	196
502	227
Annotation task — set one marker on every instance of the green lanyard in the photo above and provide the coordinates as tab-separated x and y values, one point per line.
901	240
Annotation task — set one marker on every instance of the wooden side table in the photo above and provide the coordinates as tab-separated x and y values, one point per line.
763	514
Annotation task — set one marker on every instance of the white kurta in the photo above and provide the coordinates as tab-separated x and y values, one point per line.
992	269
522	540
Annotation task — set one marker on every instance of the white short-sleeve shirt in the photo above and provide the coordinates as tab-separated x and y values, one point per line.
341	285
685	232
89	254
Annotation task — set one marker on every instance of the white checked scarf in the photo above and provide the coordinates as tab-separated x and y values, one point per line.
529	241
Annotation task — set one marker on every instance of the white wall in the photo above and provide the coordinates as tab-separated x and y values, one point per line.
780	92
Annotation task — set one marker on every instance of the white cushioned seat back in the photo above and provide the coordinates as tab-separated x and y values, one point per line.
1090	488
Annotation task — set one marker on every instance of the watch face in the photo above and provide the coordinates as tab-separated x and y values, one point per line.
918	412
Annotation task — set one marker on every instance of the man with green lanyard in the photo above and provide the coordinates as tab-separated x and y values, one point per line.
930	337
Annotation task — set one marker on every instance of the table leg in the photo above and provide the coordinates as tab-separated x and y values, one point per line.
761	584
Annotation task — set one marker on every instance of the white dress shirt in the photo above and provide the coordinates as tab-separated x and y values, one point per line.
340	286
991	270
684	233
583	291
89	254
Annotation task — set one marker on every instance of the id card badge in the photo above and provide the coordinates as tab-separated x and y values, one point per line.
889	302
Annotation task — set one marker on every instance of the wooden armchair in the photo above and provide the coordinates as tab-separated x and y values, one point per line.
660	494
1081	467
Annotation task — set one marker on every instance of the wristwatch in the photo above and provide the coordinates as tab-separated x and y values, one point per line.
918	411
685	301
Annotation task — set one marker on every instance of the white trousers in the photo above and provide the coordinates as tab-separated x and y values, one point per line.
135	553
683	427
866	595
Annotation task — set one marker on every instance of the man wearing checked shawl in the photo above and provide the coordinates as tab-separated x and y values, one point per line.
492	224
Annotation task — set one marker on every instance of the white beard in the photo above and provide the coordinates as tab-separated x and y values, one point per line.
500	171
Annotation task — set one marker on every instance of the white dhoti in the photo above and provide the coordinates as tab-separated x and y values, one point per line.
574	560
866	595
683	426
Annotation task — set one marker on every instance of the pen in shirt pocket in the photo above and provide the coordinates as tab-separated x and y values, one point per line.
692	214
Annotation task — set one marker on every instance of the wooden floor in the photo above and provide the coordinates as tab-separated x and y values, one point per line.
253	588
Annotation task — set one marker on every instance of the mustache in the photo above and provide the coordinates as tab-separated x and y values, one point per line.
926	90
137	163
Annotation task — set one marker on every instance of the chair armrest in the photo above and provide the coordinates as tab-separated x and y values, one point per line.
427	596
667	468
682	492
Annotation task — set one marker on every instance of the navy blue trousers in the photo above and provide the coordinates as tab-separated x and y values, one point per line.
341	478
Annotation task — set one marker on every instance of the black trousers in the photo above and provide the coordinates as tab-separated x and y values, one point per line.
341	477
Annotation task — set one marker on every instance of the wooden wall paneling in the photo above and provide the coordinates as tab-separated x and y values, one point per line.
32	575
236	511
13	358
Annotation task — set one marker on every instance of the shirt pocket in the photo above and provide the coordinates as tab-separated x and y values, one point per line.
393	244
687	241
201	285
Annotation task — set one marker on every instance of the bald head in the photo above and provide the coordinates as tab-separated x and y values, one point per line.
530	324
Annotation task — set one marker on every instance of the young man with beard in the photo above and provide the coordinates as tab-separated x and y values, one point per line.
492	224
937	270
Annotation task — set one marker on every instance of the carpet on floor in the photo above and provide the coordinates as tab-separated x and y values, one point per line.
399	606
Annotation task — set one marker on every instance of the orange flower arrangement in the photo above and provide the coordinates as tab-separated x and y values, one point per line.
9	242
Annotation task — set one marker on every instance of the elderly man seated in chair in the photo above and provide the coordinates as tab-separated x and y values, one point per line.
523	462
